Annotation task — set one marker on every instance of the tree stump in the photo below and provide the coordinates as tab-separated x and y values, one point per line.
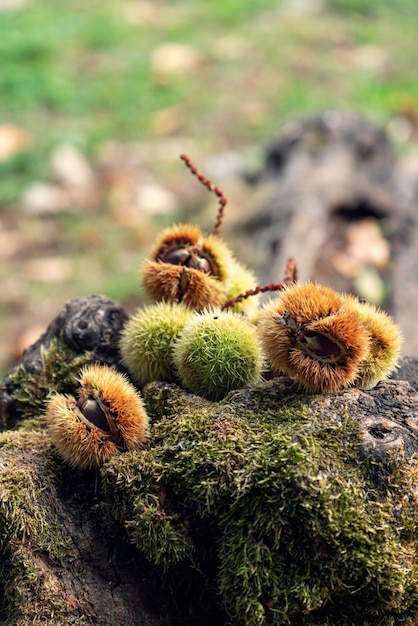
271	506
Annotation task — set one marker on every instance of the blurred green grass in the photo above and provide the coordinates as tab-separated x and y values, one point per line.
82	70
84	73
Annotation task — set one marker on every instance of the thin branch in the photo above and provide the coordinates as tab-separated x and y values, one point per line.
209	184
253	292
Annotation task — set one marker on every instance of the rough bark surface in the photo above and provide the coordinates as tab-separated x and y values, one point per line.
86	324
62	566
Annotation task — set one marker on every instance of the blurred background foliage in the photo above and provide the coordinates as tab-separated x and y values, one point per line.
98	99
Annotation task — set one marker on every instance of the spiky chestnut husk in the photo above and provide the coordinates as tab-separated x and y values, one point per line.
236	277
242	280
198	271
217	351
146	341
266	309
313	335
184	244
107	418
186	267
385	344
179	284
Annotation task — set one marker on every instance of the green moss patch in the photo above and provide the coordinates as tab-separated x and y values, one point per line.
30	534
269	497
58	369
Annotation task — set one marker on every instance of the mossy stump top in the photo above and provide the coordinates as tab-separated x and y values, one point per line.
270	507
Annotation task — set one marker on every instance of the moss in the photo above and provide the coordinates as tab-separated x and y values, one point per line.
263	504
159	534
58	369
266	493
316	542
20	514
30	533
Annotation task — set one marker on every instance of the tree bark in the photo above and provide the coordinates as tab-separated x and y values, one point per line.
59	563
86	329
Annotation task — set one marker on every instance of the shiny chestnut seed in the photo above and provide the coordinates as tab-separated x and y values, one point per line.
200	263
188	258
321	346
93	413
178	256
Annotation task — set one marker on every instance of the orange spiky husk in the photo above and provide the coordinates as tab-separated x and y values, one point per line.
211	246
80	442
175	235
310	301
311	335
329	374
79	445
122	400
164	282
173	282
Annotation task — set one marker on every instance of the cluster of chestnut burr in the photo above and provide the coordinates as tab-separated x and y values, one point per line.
207	332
